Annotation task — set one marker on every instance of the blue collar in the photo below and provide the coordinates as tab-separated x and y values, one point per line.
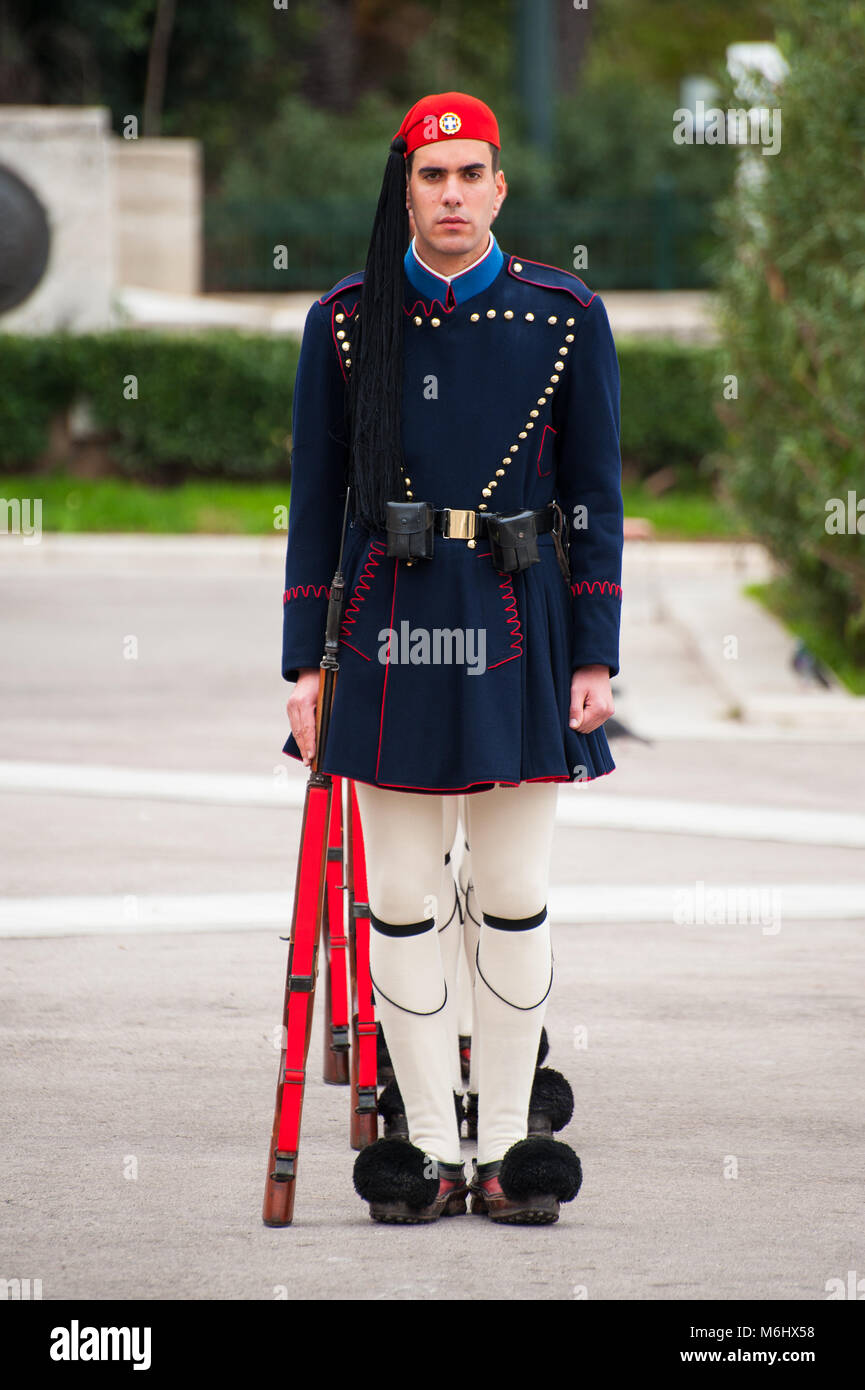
463	286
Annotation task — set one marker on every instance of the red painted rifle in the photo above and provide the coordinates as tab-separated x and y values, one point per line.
310	899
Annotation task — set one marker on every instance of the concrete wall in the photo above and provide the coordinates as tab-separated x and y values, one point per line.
121	212
158	195
63	153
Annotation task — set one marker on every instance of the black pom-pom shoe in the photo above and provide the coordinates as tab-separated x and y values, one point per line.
551	1105
526	1187
405	1187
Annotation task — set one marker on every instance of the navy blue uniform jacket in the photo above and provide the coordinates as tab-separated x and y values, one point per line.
455	676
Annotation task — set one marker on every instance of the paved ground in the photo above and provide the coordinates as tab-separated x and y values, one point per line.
719	1093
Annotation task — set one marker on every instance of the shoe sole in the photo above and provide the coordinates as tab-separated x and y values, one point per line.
394	1216
545	1213
408	1219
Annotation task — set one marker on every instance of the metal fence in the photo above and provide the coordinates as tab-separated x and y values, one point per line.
659	242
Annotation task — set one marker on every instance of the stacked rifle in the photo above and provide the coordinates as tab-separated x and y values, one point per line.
330	887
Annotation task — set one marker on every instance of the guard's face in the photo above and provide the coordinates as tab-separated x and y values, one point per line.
453	196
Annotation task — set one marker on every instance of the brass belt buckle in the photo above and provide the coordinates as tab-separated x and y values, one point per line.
460	524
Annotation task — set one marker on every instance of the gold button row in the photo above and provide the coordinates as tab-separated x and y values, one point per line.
530	423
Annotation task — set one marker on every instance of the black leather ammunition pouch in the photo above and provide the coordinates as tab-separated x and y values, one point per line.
513	540
410	530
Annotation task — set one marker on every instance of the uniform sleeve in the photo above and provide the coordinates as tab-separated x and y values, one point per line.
318	466
589	486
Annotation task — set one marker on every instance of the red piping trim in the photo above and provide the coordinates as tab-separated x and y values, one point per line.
491	781
419	304
603	586
376	550
512	618
386	670
541	450
343	643
545	286
317	590
341	288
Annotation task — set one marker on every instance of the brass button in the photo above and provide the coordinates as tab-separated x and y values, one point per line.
534	414
486	492
435	322
475	318
552	319
339	317
569	338
500	472
548	390
530	318
348	361
554	377
493	483
515	448
570	323
559	366
523	434
509	313
409	494
471	544
541	400
530	424
506	460
418	320
517	266
482	506
564	350
408	482
491	313
345	346
340	332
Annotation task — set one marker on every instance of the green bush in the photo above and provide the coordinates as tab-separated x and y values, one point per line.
219	405
793	293
168	406
35	385
668	418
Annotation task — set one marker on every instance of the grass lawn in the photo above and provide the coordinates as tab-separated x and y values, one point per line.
114	504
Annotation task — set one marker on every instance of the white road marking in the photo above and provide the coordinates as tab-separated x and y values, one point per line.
748	905
584	806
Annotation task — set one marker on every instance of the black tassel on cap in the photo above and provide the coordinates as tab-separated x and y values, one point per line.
375	386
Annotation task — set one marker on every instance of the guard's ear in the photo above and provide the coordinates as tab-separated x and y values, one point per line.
501	193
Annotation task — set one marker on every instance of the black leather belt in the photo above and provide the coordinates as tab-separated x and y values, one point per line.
512	536
470	526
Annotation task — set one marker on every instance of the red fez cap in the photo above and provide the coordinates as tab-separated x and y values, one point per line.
448	116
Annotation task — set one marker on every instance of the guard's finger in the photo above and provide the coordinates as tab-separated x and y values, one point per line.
577	711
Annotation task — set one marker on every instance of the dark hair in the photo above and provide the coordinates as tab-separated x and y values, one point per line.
375	384
494	152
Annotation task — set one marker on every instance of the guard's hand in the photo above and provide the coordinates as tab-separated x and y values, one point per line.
591	698
301	712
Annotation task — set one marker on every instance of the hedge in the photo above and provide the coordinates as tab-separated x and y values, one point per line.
218	405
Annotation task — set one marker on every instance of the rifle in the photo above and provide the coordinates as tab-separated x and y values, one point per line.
310	898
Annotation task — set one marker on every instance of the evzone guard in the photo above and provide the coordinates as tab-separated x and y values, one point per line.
468	400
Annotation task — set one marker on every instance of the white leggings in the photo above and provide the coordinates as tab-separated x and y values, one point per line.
406	836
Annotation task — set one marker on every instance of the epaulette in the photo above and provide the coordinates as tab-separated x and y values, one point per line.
350	282
550	277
